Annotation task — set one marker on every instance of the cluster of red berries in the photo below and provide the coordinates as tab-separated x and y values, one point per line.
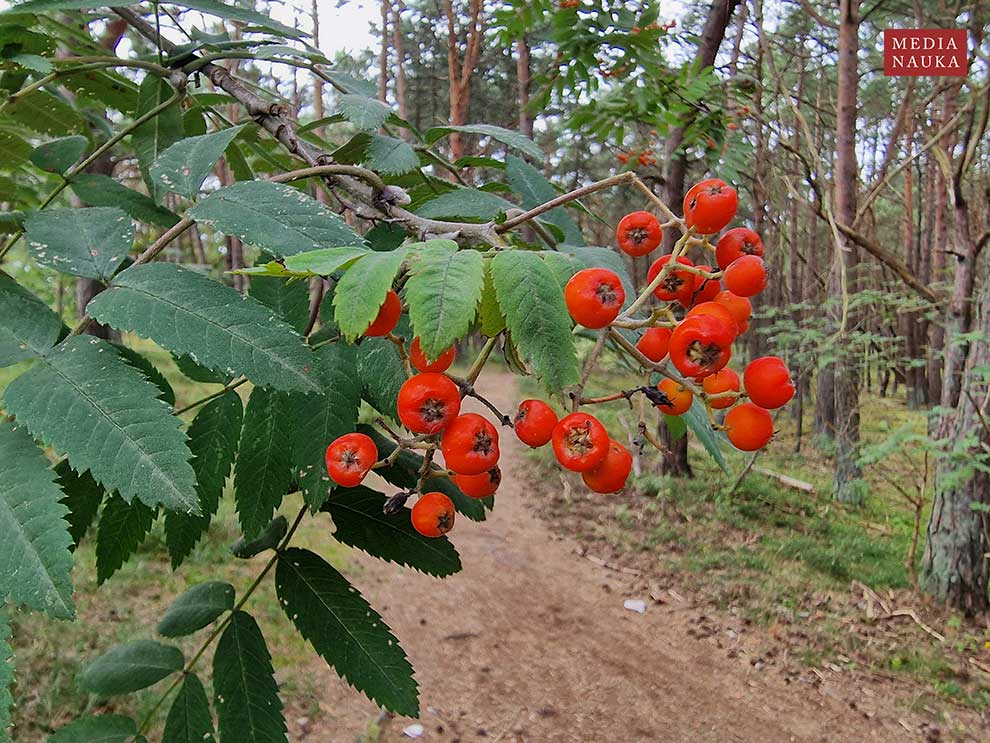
699	344
644	158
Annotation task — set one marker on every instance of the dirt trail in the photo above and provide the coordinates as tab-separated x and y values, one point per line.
531	643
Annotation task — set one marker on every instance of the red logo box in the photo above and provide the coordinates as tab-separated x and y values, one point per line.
924	51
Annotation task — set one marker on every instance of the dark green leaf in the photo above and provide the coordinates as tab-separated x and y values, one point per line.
65	401
465	203
697	420
365	113
443	293
675	425
213	438
199	373
150	371
100	190
507	137
382	373
189	720
534	189
27	327
360	522
83	496
83	242
390	155
42	112
345	630
489	313
59	155
122	529
269	540
14	149
361	291
278	218
263	471
35	563
288	299
97	729
198	607
131	667
189	313
246	696
104	86
153	137
531	300
184	166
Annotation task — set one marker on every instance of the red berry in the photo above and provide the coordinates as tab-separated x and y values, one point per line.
704	290
594	297
701	345
470	445
388	316
768	382
611	475
748	426
349	458
724	380
433	514
479	486
710	205
639	233
677	286
428	403
717	309
418	359
746	276
534	422
680	397
653	343
739	307
736	243
580	442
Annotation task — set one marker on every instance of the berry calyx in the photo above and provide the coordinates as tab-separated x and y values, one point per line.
349	458
677	285
768	382
387	318
428	403
580	442
594	297
739	307
704	289
611	475
746	276
433	514
678	397
418	359
748	426
479	486
470	445
736	243
724	380
534	422
701	345
654	342
639	233
710	205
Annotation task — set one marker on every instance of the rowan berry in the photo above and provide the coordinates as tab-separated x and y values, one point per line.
704	289
768	382
479	486
611	475
736	243
677	285
580	442
639	233
746	276
428	402
594	297
710	205
349	458
739	307
433	514
724	380
470	445
534	422
387	318
716	309
418	359
701	345
653	343
679	397
748	426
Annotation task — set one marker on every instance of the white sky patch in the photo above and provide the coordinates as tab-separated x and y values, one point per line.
342	29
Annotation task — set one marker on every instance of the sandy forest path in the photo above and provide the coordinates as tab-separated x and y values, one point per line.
532	643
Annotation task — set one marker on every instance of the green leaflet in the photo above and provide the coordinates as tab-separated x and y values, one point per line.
28	328
367	114
531	300
184	166
506	136
465	203
122	529
90	242
155	136
289	300
534	189
197	608
323	262
390	155
83	496
42	112
131	667
189	313
344	629
58	155
35	563
361	291
98	729
63	400
443	293
489	313
382	373
245	693
101	190
189	720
